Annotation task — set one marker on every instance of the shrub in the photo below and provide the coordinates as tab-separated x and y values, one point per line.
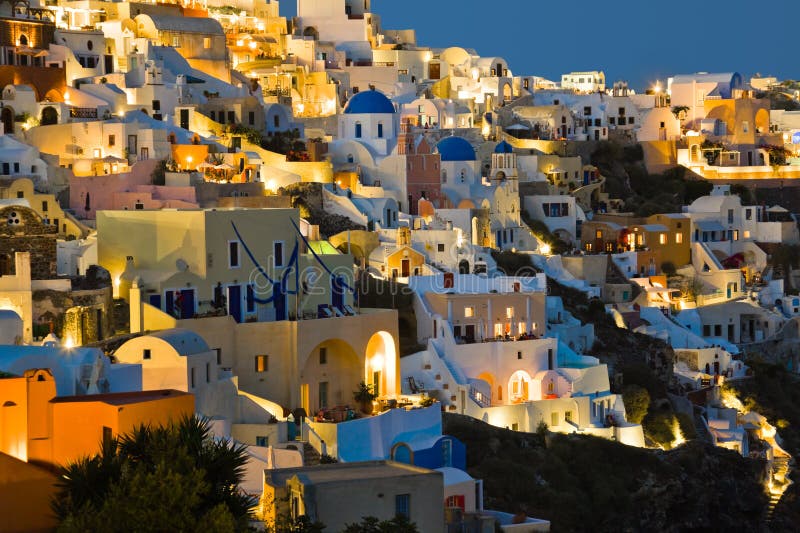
637	402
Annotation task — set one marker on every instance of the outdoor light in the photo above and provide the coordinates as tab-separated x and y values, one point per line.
545	249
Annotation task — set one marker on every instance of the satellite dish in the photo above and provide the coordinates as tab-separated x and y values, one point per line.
182	265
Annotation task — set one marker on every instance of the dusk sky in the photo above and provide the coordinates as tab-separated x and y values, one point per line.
636	40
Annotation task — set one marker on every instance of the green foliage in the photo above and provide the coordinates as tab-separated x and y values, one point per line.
174	478
301	524
514	263
668	268
427	401
686	424
640	374
637	402
659	425
370	524
283	142
252	135
159	174
540	229
364	393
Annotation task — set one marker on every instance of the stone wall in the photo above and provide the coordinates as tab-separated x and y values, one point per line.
22	230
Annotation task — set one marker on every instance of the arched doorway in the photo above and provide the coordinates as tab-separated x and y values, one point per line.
402	453
311	31
329	376
381	364
49	116
463	267
519	387
7	116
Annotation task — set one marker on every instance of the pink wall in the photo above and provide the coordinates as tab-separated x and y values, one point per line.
102	189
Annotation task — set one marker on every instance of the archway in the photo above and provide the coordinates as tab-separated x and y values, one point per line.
49	116
463	267
329	376
519	387
311	31
381	364
506	93
489	379
402	453
7	116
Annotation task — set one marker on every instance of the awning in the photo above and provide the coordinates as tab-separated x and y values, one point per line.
709	225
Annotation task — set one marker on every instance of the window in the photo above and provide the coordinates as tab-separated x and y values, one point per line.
736	235
612	120
402	505
262	441
231	117
440	247
219	355
748	214
146	354
380	130
277	253
509	312
20	194
16	168
233	254
208	372
631	120
44	207
568	416
251	118
176	41
156	105
519	355
587	110
745	126
276	121
662	238
358	130
107	435
262	363
730	216
678	238
598	234
469	312
747	234
112	140
206	42
191	377
553	419
323	356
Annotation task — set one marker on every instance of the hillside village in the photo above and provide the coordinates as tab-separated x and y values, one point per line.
391	280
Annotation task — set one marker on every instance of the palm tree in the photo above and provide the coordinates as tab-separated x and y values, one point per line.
185	450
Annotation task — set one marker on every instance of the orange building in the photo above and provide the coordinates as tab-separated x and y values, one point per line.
25	493
38	427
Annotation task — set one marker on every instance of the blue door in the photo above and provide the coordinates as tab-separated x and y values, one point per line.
337	292
235	302
155	300
187	303
279	302
169	296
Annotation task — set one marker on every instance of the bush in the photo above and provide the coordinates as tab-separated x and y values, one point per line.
659	426
668	268
637	402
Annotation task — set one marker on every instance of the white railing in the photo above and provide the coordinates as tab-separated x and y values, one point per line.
313	439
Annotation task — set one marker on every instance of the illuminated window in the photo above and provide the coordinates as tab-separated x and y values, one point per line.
747	234
262	363
509	312
662	238
639	239
469	312
678	238
206	42
598	234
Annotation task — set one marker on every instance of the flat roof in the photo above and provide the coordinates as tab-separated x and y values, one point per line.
122	398
337	472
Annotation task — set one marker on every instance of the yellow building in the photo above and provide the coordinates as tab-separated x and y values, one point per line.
252	264
40	428
45	205
25	494
344	493
667	235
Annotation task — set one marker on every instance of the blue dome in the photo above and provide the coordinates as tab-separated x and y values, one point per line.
369	102
503	148
455	149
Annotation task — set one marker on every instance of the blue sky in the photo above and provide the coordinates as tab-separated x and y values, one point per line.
636	40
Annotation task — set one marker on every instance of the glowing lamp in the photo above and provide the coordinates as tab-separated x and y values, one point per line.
545	249
376	361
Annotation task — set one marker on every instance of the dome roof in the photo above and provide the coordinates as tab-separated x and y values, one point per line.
503	148
455	149
371	101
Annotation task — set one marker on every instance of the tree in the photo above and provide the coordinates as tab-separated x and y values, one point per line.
370	524
173	478
637	402
301	524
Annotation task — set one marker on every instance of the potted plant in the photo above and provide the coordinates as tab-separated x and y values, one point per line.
364	396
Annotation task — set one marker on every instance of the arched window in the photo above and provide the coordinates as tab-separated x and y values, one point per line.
358	130
350	158
23	40
444	176
380	130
